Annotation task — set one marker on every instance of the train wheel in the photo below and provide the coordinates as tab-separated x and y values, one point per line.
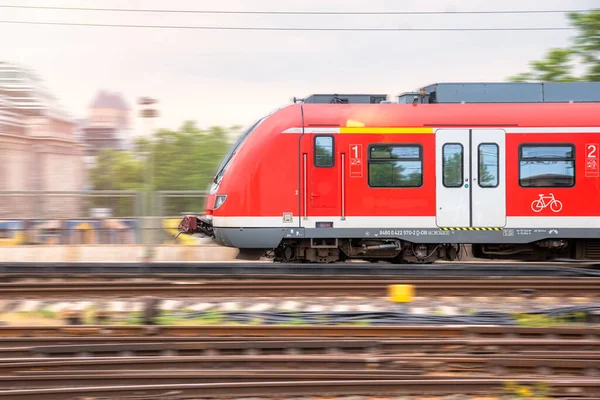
285	253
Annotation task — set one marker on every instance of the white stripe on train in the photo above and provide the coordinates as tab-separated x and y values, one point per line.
400	222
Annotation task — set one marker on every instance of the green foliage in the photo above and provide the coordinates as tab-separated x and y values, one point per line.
556	67
116	170
532	320
173	160
587	42
135	318
187	160
166	320
365	322
558	64
43	313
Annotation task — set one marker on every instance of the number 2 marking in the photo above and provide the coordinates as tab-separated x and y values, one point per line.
592	150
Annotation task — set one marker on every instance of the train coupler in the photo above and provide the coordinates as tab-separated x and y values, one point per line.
191	224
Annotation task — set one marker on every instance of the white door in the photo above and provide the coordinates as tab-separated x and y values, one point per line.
488	198
470	178
452	178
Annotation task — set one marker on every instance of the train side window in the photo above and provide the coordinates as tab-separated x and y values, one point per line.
395	166
547	165
488	171
324	149
452	165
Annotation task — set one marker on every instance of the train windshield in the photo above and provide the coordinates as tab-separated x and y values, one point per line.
227	159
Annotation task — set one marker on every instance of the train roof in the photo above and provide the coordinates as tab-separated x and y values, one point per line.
477	93
345	98
507	92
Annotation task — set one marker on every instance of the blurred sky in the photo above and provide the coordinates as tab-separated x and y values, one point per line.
235	77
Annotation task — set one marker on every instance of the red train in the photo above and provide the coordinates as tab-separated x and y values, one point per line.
511	169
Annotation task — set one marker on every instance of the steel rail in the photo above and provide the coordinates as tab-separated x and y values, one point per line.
560	386
306	332
342	362
455	287
582	348
160	345
402	364
274	270
66	379
57	379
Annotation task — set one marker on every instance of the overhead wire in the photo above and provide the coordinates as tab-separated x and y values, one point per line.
281	28
291	12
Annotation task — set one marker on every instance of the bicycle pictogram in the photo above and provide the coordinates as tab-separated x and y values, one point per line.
546	201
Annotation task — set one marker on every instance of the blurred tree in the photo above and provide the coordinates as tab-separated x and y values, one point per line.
187	160
173	160
116	170
559	63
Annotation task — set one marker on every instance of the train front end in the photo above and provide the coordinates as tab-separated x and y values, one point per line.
203	225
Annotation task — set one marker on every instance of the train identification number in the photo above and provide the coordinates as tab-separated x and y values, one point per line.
412	232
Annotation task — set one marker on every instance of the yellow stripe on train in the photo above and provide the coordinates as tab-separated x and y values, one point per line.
356	130
471	229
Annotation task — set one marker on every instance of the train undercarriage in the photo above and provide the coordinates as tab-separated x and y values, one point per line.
331	250
397	251
340	250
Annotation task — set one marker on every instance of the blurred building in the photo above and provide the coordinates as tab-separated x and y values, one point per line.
39	147
108	125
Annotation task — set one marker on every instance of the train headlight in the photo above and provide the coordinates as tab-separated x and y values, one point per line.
219	200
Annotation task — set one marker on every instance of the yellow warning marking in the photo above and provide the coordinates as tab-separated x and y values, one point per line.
471	229
384	131
354	124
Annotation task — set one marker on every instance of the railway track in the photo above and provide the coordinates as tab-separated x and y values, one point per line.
337	287
586	348
57	379
268	332
239	269
561	387
546	364
282	361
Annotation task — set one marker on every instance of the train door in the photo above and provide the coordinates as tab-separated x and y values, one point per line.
470	178
488	191
321	181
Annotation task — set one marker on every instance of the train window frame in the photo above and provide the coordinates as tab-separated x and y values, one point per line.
573	158
332	151
384	160
462	165
497	165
